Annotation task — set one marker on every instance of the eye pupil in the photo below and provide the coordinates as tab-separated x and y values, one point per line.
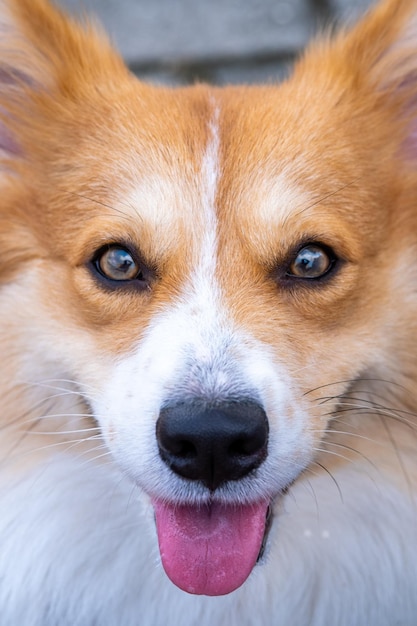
312	261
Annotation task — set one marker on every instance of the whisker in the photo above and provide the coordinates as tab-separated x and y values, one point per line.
330	431
66	432
55	384
398	455
329	473
93	459
381	410
66	445
362	401
22	437
112	208
316	502
348	459
351	449
64	415
30	411
342	456
351	381
301	209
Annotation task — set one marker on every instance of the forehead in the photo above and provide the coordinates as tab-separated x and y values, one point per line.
199	141
240	153
250	163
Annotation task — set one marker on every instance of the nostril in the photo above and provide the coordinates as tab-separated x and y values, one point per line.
214	444
246	446
188	450
238	448
176	450
180	448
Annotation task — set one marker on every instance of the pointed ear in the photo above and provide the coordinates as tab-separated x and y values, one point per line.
20	69
45	58
384	49
396	74
370	73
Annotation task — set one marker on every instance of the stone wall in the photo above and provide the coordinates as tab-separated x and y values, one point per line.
220	41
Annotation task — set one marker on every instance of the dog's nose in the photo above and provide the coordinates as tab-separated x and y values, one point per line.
213	444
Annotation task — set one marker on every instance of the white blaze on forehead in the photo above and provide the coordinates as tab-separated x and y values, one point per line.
210	172
203	288
205	270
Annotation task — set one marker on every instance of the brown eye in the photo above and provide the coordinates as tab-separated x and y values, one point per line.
117	263
312	261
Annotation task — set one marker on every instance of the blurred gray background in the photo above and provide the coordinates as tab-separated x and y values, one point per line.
219	41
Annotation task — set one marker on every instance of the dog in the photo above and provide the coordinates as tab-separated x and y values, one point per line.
208	311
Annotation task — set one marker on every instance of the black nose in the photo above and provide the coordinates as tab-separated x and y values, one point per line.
213	444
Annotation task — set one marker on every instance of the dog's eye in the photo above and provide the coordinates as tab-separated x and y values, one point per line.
312	261
117	263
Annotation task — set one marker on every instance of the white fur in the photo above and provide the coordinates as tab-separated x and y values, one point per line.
90	522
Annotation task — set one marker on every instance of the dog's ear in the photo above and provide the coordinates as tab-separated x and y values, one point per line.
387	47
370	72
46	61
49	68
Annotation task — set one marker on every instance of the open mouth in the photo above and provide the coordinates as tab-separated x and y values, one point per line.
211	549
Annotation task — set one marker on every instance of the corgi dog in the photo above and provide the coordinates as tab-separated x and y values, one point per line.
208	319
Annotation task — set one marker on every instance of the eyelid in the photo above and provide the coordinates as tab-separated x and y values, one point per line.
115	244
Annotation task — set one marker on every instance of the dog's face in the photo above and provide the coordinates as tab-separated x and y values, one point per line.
211	268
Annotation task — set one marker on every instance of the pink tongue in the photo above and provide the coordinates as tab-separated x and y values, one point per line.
209	550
